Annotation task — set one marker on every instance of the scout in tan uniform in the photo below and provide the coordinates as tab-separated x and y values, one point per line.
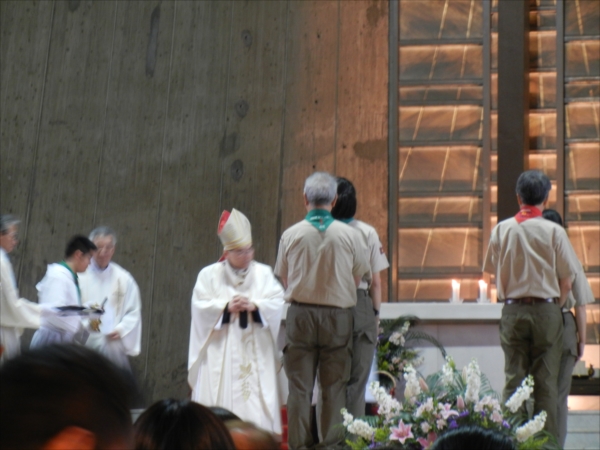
364	338
573	336
321	262
534	263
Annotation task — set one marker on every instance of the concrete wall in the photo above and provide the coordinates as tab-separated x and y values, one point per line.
154	116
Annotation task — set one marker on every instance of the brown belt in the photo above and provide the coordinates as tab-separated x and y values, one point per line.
314	305
527	301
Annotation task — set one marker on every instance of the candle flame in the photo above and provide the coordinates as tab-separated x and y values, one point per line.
455	284
482	284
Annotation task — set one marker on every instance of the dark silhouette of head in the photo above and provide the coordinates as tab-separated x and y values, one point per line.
552	215
64	395
180	424
474	437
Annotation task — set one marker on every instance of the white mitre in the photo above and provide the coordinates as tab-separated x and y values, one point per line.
234	230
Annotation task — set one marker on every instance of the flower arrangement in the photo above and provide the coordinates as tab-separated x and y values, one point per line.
448	399
393	350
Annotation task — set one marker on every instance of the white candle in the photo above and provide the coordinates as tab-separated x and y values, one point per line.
494	295
482	292
455	291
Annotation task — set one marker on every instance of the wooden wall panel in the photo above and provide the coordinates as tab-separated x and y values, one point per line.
189	202
362	85
24	31
251	151
311	95
127	190
70	140
141	127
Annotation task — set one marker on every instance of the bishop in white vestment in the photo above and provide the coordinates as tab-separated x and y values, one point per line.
107	285
237	307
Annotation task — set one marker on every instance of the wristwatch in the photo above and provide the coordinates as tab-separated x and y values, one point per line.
375	311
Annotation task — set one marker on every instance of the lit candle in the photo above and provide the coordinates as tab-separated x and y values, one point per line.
455	291
482	292
494	295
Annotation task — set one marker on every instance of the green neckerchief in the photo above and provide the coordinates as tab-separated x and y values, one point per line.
347	220
75	280
320	218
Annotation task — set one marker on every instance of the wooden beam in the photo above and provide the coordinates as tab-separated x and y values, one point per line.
513	101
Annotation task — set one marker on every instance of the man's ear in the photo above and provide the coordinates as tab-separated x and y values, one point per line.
72	438
305	200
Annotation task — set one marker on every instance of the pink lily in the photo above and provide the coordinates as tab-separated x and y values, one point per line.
460	403
446	411
402	433
426	443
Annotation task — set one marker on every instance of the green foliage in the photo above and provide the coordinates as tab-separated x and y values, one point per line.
393	351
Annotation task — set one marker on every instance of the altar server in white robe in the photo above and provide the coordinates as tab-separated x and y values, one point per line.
15	313
105	284
237	306
60	288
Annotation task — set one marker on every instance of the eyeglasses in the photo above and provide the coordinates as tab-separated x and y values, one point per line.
13	236
242	252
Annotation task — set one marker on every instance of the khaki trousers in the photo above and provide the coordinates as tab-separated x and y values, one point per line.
531	337
565	373
364	341
318	340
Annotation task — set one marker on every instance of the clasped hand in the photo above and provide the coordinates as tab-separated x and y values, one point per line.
239	303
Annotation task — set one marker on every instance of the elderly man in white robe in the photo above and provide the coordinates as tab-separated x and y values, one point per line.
15	313
237	306
105	284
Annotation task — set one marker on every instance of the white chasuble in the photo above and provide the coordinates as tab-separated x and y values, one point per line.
229	366
15	313
116	290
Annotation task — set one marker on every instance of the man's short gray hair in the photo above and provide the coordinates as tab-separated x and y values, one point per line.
320	188
7	221
104	231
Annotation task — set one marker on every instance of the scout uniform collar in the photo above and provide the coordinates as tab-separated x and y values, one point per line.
527	212
320	219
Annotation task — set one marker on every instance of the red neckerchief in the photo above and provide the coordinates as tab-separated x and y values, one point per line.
527	212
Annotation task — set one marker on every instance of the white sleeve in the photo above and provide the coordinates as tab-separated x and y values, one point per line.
207	309
130	325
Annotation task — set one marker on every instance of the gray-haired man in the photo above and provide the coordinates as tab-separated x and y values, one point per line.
320	262
105	283
15	313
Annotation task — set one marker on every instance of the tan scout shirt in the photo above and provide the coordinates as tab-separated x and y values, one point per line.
581	292
376	255
320	266
529	258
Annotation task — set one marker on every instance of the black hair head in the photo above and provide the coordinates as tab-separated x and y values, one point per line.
552	215
180	424
81	243
474	437
49	389
345	205
533	187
